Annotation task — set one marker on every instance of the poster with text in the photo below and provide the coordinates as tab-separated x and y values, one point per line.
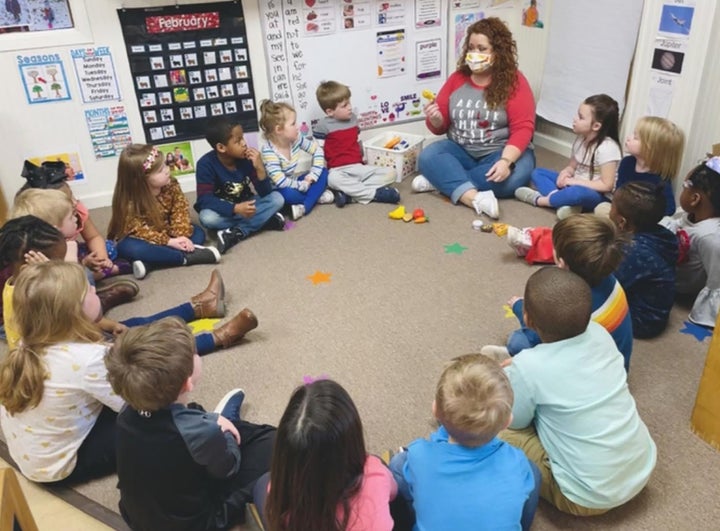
95	74
43	77
189	63
109	130
391	53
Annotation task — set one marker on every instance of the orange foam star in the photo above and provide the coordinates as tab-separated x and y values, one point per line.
318	277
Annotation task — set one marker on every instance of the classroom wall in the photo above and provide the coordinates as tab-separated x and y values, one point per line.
31	130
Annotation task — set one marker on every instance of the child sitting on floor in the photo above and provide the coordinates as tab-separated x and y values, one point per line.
573	414
93	253
655	151
591	247
464	477
591	170
348	176
281	154
226	202
697	226
647	273
58	410
151	216
321	476
178	466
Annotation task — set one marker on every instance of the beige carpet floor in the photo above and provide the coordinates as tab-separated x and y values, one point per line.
396	308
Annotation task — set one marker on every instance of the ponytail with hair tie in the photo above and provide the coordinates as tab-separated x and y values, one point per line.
714	164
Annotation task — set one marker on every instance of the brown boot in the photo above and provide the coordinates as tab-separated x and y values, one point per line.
233	331
116	293
211	302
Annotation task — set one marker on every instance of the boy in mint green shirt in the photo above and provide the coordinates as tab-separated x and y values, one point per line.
573	413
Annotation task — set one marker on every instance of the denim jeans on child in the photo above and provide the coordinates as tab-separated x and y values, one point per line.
524	337
453	171
132	249
265	208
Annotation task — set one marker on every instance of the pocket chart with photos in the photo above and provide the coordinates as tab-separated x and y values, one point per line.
189	63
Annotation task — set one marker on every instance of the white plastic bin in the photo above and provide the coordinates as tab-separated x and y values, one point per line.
404	160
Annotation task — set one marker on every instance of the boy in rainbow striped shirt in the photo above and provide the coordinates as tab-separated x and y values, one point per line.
591	247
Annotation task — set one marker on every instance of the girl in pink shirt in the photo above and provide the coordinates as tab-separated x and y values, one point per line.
321	476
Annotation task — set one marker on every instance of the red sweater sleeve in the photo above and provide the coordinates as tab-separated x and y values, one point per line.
521	114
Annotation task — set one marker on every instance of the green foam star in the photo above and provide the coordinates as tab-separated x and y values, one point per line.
455	248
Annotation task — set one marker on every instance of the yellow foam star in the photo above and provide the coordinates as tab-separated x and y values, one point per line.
508	311
203	325
318	277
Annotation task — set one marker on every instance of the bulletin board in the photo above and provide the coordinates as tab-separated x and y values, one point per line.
386	52
189	63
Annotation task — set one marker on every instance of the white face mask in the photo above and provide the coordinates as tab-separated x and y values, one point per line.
478	62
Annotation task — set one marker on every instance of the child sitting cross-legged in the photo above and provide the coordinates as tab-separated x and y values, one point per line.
647	273
179	467
348	176
573	414
591	247
234	195
464	477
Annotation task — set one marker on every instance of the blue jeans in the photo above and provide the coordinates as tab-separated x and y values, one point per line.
265	207
453	171
309	198
132	249
204	343
524	337
545	182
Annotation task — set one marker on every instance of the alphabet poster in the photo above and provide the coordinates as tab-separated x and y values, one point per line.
189	63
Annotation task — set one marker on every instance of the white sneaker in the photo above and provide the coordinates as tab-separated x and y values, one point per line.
297	211
486	203
327	197
519	239
567	211
497	352
139	269
421	184
527	195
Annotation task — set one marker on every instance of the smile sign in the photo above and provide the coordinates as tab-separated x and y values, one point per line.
186	22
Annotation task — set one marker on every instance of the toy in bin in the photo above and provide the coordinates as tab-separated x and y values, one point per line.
395	150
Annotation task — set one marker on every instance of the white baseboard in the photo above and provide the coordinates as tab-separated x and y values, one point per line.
552	143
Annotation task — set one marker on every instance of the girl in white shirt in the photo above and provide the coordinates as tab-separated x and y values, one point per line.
590	173
58	409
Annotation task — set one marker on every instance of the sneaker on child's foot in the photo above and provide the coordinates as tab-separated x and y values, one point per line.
276	222
519	239
341	199
527	195
229	405
387	194
326	198
567	211
202	255
486	203
497	352
228	238
421	184
139	269
297	211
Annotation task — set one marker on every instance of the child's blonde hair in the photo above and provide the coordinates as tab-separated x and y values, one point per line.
148	365
273	115
51	206
48	304
591	246
661	145
132	197
330	94
473	399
